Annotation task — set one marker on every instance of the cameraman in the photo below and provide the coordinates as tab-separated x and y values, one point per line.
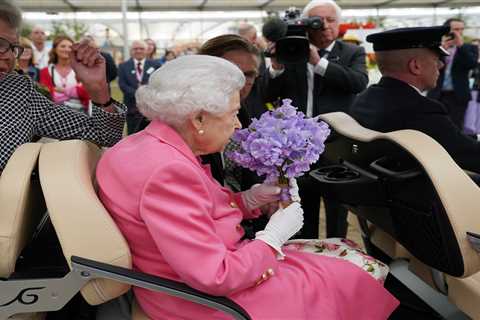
336	71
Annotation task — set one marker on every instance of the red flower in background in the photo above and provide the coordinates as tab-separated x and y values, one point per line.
343	27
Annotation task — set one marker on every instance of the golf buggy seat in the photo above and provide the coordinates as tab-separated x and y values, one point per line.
22	208
415	206
98	255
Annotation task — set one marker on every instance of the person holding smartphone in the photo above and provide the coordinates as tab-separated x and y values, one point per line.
453	88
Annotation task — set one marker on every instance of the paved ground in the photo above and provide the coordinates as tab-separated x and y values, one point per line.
353	228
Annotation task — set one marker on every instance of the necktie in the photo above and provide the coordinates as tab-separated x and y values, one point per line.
139	71
449	59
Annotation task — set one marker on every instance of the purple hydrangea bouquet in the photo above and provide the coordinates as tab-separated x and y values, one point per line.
282	144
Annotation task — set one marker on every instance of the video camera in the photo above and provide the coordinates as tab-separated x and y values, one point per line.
290	36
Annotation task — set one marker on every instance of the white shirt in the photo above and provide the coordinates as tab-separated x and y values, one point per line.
63	82
40	57
424	93
320	68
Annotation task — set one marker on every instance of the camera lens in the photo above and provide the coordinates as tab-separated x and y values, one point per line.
316	23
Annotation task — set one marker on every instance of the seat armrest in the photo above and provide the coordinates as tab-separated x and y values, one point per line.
155	283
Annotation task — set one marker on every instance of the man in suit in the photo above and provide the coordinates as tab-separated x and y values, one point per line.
131	74
410	60
453	88
336	71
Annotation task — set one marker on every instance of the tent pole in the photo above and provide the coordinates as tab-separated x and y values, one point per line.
125	30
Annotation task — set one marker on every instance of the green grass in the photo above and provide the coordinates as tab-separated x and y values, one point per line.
118	95
116	92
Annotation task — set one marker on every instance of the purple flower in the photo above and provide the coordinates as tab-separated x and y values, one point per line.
282	144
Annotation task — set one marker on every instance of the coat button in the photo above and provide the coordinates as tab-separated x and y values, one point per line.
262	278
270	272
233	204
238	227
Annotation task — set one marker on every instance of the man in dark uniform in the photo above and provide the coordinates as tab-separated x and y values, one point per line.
410	60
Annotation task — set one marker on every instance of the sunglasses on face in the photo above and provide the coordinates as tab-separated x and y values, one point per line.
6	45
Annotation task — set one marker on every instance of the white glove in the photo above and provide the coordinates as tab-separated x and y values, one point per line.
294	196
283	224
260	194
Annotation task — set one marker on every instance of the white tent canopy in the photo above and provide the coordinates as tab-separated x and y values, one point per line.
223	5
173	22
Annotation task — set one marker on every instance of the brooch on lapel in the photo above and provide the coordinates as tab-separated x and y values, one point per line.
133	71
333	58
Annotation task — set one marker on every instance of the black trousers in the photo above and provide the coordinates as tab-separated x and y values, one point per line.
336	215
456	107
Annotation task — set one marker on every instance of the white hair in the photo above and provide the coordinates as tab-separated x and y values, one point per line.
187	85
317	3
245	28
143	43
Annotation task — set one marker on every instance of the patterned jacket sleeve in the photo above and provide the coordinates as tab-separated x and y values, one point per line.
61	122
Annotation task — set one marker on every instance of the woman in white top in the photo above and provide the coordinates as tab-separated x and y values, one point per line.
60	78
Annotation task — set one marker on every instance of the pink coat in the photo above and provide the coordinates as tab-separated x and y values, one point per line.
181	224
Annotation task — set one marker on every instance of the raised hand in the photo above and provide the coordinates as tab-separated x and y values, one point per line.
314	57
89	67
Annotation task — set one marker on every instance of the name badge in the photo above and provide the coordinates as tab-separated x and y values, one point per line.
150	70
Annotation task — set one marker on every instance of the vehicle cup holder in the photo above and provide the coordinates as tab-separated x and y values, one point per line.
349	184
336	173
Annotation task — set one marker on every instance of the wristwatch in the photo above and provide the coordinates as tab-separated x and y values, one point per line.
104	105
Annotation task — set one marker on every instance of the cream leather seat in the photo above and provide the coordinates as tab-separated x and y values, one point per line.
418	203
83	226
22	207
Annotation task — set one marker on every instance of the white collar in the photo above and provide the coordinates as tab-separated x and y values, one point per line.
416	89
38	50
330	47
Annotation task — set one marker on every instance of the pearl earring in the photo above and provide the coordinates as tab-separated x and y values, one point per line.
201	131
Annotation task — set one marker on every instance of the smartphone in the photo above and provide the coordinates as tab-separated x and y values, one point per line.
450	36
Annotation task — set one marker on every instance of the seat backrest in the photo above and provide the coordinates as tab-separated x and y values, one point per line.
423	199
83	226
21	203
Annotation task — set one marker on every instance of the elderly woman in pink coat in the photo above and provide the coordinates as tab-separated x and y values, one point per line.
181	224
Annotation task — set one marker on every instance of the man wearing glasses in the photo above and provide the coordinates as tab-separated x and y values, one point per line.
26	114
336	71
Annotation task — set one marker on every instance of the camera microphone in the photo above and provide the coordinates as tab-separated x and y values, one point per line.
274	29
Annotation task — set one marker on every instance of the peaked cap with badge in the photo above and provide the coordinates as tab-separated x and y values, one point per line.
410	38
